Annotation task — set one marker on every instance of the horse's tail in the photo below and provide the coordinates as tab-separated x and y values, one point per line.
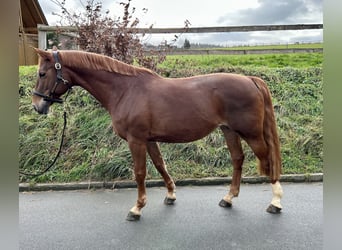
274	168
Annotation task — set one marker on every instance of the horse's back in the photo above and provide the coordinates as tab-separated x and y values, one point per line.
187	109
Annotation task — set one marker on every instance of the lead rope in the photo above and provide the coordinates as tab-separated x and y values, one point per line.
60	146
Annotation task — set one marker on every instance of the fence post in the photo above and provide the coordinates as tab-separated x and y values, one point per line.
41	38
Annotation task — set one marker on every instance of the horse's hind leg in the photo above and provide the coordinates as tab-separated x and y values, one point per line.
260	149
157	159
234	145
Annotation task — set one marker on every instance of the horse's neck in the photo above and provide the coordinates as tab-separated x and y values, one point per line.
106	87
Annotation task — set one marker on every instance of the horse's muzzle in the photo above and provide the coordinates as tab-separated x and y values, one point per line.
42	109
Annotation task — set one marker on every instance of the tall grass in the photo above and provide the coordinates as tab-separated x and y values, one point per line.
210	63
92	151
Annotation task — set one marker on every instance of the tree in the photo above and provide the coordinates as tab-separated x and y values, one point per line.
115	37
186	44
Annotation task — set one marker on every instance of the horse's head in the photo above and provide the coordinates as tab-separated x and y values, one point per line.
50	82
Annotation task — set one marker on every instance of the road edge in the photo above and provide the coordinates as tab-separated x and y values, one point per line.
294	178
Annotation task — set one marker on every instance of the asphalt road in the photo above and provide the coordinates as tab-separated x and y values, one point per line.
96	219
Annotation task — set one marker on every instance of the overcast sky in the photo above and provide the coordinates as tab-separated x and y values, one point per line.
202	13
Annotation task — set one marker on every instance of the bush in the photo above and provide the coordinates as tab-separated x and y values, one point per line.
101	33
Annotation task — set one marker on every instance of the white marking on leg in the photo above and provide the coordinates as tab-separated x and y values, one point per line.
171	195
135	210
277	194
228	198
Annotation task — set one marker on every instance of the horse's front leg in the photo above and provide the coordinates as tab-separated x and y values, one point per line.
157	159
138	151
233	142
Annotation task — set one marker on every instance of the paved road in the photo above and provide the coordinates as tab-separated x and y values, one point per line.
96	219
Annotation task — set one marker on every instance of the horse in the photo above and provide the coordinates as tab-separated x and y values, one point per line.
146	108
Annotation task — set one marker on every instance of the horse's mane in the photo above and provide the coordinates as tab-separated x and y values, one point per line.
75	58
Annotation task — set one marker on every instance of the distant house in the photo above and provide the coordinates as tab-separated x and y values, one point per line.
30	15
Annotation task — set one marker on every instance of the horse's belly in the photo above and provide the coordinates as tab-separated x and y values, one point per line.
182	131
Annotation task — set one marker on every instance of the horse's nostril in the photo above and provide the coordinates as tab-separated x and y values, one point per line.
44	110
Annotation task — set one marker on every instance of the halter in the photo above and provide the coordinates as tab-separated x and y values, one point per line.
49	98
59	79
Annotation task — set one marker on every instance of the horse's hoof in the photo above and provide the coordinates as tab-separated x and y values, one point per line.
132	217
273	209
224	203
169	201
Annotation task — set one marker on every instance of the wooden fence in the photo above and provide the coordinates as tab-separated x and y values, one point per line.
240	51
43	30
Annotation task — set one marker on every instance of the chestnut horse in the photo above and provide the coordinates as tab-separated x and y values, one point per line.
146	108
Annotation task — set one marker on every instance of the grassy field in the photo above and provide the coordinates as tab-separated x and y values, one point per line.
92	152
280	46
182	63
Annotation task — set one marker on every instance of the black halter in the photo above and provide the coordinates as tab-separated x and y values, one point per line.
59	79
50	98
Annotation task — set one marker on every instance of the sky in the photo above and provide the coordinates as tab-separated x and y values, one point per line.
200	13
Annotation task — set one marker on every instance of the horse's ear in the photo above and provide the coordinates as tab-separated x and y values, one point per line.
42	53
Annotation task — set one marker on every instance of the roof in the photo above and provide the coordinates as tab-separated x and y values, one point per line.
31	14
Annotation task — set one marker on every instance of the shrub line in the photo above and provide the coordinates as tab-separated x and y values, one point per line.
293	178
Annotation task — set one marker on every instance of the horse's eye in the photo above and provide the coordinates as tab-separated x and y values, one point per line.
42	74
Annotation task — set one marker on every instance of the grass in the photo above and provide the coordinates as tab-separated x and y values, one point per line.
280	46
92	152
218	62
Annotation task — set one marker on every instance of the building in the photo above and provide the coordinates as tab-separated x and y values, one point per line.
30	15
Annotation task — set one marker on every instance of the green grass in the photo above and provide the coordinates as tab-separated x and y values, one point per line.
280	46
219	62
92	152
